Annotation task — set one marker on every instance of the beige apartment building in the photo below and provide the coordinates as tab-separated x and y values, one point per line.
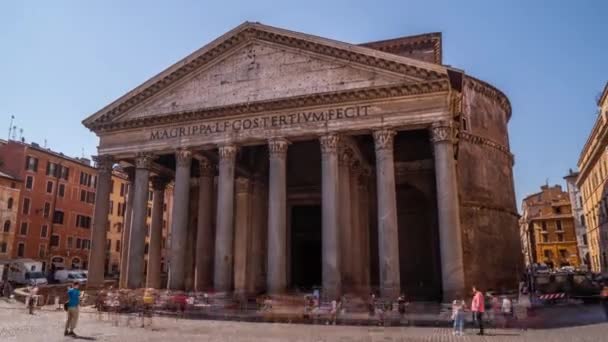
593	182
9	204
117	221
547	229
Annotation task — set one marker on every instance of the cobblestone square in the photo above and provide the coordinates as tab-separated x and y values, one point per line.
47	326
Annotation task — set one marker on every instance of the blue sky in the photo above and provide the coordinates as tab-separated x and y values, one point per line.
63	60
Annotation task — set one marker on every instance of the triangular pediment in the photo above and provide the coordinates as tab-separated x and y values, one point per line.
254	63
261	72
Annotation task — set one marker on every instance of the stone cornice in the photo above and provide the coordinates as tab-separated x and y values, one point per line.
412	42
490	92
477	140
362	94
483	206
247	33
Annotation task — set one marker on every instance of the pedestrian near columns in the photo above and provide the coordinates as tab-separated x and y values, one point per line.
73	306
478	308
604	298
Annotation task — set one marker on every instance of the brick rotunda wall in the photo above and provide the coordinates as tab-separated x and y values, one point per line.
491	245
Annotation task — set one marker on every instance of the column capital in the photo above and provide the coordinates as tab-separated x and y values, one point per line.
442	131
207	169
383	139
227	152
329	143
143	160
104	163
242	185
159	183
183	157
345	156
277	147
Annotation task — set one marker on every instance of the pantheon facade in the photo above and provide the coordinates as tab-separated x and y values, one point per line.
299	162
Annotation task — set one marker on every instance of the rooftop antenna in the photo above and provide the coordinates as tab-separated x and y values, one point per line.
10	127
82	152
14	132
45	143
21	134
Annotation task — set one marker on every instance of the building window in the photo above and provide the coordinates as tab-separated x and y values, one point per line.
65	172
122	189
83	195
109	245
61	190
563	253
54	241
86	179
31	163
91	197
21	249
545	238
58	217
78	243
544	226
117	245
558	224
147	229
111	207
51	169
560	237
118	227
149	211
583	220
150	195
558	210
23	230
44	231
585	239
69	242
2	247
83	221
49	187
112	186
47	209
146	248
164	206
7	226
9	204
548	254
26	206
41	251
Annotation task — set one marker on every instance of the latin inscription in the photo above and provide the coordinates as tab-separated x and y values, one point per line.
260	122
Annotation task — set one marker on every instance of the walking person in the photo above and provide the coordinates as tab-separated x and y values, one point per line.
507	311
458	308
72	307
478	308
604	298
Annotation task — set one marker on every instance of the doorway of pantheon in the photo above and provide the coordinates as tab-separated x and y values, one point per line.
304	245
306	253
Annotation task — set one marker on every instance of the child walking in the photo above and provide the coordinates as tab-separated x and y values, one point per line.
458	308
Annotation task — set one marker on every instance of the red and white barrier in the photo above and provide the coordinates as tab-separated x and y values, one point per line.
552	296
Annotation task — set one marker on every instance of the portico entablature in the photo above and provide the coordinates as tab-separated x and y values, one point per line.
295	124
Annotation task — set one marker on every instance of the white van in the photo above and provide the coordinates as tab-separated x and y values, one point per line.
26	272
70	276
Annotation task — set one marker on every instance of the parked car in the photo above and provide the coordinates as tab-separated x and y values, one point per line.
26	272
70	276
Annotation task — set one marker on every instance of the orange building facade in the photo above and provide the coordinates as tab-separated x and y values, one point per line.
548	228
55	205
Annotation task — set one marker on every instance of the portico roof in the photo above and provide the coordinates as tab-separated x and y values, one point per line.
418	76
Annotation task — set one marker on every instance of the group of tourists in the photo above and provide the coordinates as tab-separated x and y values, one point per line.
500	307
